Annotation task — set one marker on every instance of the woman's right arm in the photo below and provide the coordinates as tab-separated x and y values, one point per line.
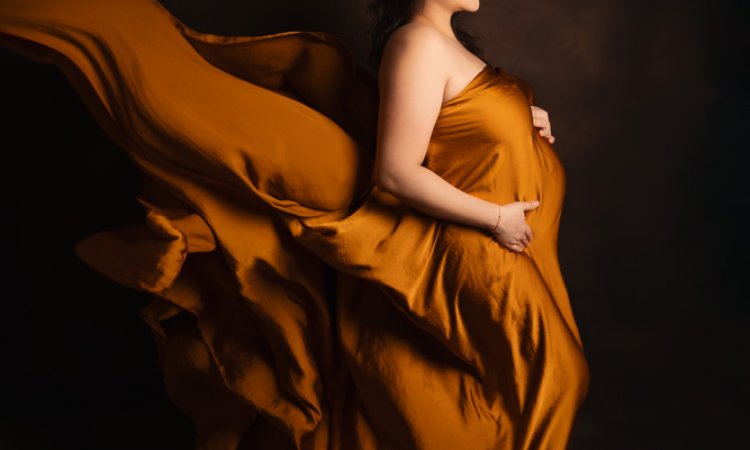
411	87
412	79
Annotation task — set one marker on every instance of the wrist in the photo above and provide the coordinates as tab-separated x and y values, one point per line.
496	222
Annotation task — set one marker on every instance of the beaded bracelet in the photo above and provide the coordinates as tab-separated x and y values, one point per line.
498	220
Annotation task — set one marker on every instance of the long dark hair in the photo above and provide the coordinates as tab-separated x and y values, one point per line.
387	15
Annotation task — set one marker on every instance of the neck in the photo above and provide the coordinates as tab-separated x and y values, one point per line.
435	15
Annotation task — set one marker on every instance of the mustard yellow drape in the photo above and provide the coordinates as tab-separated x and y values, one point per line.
296	305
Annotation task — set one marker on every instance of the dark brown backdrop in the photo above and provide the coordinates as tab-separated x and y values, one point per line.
648	103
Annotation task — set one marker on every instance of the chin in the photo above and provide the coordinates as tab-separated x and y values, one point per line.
470	5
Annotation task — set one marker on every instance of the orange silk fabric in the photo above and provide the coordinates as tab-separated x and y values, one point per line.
296	305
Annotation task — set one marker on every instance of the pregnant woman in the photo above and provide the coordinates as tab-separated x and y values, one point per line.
336	262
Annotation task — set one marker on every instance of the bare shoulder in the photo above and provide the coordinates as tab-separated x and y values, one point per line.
416	35
413	47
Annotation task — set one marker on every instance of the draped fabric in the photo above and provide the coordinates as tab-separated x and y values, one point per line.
294	304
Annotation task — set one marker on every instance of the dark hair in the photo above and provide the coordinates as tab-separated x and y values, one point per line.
387	15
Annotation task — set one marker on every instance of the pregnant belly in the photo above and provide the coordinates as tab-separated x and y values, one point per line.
529	170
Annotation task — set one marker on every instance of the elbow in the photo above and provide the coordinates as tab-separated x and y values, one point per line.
396	181
383	184
386	182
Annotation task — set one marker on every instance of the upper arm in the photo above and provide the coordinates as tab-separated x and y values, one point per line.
411	87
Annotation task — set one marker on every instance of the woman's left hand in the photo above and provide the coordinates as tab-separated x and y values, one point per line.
541	120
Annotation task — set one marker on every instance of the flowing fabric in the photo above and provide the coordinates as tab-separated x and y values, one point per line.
295	305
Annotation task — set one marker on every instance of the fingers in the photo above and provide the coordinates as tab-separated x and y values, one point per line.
548	136
540	119
517	247
539	114
525	239
522	237
546	131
